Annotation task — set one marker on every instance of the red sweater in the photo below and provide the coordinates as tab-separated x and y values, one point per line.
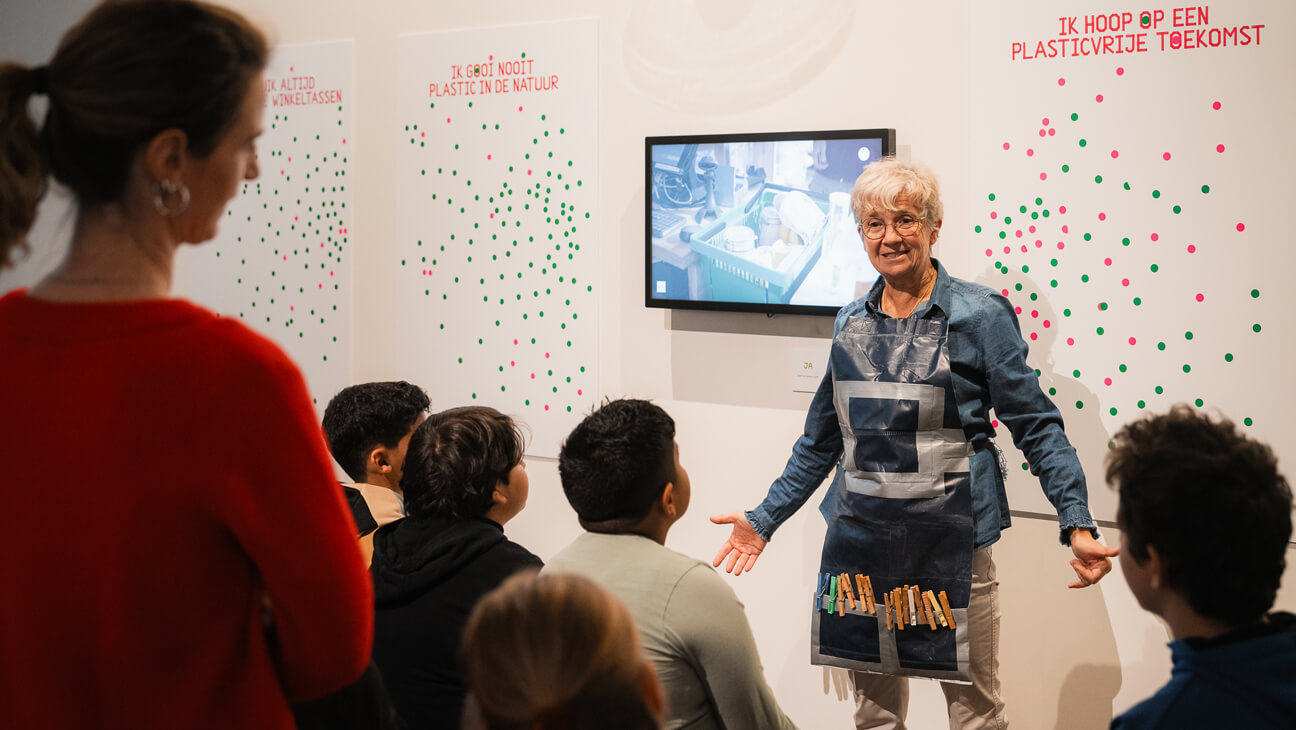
167	475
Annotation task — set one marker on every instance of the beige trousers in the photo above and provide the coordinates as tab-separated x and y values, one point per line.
882	701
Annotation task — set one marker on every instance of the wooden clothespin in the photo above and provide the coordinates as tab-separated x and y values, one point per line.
931	598
850	592
868	589
927	609
897	600
948	613
886	598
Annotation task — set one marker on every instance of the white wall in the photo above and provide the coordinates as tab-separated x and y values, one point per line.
1069	658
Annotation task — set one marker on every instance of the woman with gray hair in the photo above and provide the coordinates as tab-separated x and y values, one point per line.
918	497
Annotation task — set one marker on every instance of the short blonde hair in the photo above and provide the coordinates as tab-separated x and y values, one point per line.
884	182
557	651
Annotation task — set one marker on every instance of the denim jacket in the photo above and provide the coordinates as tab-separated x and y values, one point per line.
988	364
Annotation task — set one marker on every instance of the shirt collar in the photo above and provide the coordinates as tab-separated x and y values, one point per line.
939	299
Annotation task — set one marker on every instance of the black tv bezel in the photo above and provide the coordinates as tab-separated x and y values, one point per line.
886	135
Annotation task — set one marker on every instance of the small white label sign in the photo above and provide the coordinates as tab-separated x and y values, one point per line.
806	367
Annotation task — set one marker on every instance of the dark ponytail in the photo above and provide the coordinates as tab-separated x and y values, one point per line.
23	172
129	70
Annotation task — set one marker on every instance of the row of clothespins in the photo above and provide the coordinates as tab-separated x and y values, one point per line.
904	606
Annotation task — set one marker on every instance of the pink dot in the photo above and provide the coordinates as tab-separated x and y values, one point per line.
490	57
292	309
1052	132
492	215
528	172
989	252
519	108
1034	336
1165	156
1124	282
422	134
330	273
1018	234
1043	175
1155	237
321	286
1030	152
488	157
1007	249
1120	71
1047	324
1215	106
1106	381
1133	341
1004	292
515	342
546	406
546	356
1064	229
1034	314
1061	245
1062	209
580	391
281	172
1024	249
994	423
1201	297
512	363
1192	248
1018	310
1031	229
1044	122
993	215
292	68
1098	98
1039	243
344	140
1219	148
533	376
1102	216
447	120
1107	261
285	258
1006	145
1061	82
1043	132
1071	341
1241	227
1115	154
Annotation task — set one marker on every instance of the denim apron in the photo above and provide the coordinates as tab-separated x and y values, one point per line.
900	506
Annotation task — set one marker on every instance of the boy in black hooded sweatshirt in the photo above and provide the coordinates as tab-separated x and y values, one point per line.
464	477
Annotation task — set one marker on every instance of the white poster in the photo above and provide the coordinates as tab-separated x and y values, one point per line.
496	163
1129	170
282	262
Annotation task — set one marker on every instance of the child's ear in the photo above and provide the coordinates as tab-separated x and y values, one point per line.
380	460
667	501
1155	567
498	496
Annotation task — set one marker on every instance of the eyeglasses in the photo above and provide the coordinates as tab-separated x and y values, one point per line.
874	229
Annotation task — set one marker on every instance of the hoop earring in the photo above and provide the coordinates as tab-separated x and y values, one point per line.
163	193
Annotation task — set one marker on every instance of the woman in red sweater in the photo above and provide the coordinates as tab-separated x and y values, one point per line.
175	484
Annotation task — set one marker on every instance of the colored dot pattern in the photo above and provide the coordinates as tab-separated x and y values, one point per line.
504	307
1077	227
280	262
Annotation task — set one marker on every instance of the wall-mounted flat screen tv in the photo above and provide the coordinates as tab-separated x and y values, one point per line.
757	222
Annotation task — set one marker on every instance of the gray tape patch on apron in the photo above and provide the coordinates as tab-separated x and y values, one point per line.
900	507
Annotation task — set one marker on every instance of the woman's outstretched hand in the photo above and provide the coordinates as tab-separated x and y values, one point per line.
743	546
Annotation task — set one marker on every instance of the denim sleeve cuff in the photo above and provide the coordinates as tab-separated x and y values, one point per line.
760	522
1076	516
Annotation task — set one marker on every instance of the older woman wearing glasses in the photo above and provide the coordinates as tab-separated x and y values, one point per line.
918	497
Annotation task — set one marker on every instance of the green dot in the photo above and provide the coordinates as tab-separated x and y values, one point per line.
1228	357
1102	306
1053	283
1187	368
1125	242
1025	269
1066	312
1052	391
1075	373
1247	421
1127	186
1039	201
992	197
977	229
1255	327
1025	466
1100	330
1018	287
1177	210
1098	178
1199	402
1188	335
1088	237
1205	188
1113	411
1161	346
1021	209
1079	404
1156	193
1255	293
1142	404
1083	142
1074	116
1137	301
1007	220
1084	278
1154	268
1066	168
1159	390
